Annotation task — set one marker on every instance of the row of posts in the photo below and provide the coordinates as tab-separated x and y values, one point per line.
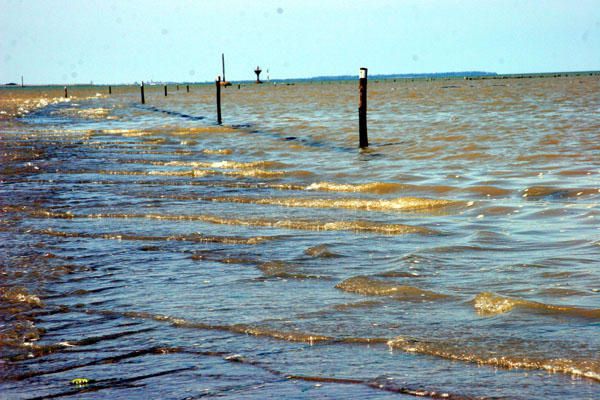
363	140
143	98
141	88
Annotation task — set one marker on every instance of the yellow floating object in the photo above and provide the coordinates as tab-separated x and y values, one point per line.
80	381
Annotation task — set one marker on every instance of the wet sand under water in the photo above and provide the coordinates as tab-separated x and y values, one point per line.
157	254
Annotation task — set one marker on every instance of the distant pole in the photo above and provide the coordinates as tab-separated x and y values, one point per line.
109	89
165	90
22	85
142	93
177	87
218	85
187	87
66	92
362	109
223	65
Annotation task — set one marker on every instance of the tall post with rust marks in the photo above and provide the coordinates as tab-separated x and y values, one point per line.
109	89
66	92
187	87
218	85
363	140
142	93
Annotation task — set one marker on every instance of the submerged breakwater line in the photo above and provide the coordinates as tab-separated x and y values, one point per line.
145	250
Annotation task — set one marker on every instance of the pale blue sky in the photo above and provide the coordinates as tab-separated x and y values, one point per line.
105	41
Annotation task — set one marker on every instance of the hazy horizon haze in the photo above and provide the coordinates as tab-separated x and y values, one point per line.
58	41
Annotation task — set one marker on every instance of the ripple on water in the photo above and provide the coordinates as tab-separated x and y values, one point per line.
465	232
367	286
492	304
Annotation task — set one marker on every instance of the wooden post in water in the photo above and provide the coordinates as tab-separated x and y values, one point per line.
142	93
218	84
66	92
187	87
165	90
363	140
109	89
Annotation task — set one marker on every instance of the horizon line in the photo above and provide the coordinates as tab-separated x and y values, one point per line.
412	75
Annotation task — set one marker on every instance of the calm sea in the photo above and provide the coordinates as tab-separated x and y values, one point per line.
158	255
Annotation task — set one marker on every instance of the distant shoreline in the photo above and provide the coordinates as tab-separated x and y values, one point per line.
466	75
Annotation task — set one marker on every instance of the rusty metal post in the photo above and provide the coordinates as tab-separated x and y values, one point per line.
363	140
187	87
218	85
109	89
66	92
142	93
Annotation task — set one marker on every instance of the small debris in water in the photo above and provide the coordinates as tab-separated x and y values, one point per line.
81	381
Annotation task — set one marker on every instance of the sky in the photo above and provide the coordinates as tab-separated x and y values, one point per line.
125	41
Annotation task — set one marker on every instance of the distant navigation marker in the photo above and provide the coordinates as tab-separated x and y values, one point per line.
257	71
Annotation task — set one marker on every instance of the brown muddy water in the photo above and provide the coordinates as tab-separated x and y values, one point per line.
158	255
